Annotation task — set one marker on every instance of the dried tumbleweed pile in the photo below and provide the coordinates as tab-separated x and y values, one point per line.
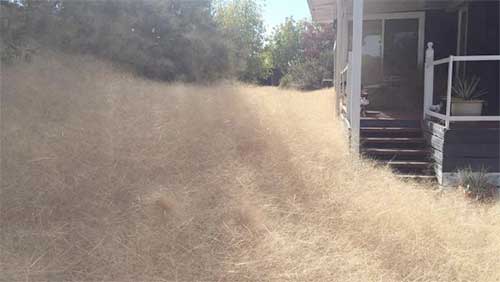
110	177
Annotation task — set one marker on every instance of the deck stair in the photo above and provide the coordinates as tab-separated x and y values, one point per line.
398	143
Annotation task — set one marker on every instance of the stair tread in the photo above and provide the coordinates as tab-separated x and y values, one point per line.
391	128
389	150
398	144
389	119
416	176
393	139
408	163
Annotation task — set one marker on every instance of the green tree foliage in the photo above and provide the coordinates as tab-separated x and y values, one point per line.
241	23
304	75
301	53
286	44
16	30
162	39
185	40
318	42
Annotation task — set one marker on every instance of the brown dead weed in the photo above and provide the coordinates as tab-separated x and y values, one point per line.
110	177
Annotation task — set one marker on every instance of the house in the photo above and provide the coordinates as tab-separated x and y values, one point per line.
408	59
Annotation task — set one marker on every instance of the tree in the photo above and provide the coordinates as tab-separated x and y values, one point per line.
184	40
286	44
302	53
241	23
161	39
317	43
316	39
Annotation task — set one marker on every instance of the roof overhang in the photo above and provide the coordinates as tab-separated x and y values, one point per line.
324	11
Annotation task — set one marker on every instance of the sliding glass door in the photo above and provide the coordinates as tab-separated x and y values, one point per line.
401	48
372	51
392	60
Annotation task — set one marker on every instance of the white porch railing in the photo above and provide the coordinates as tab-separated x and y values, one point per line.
346	93
351	82
430	64
349	102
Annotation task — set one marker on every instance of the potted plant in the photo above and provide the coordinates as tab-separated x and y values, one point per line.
465	100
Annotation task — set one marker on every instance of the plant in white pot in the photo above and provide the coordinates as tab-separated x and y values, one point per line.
466	97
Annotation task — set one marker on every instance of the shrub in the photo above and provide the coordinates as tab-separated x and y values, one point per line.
475	184
170	40
306	75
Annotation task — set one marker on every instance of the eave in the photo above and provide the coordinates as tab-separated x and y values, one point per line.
324	11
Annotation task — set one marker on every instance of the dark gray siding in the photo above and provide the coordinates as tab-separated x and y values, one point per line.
484	39
458	148
441	29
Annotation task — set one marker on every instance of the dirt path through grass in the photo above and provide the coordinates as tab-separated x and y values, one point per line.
109	177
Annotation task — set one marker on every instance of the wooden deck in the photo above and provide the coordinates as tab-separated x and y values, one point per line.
395	116
391	115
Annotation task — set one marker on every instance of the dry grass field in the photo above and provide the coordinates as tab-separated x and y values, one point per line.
109	177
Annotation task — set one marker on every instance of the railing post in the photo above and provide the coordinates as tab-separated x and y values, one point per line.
338	60
428	78
349	86
448	92
357	48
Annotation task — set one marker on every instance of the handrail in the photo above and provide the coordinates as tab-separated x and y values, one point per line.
429	83
345	69
441	61
436	115
476	58
474	118
345	88
346	121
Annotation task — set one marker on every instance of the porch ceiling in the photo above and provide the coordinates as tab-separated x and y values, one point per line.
324	11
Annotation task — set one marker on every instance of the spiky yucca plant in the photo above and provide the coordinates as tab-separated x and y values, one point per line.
475	184
467	89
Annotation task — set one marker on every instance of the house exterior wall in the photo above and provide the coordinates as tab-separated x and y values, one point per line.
475	145
484	39
445	44
462	147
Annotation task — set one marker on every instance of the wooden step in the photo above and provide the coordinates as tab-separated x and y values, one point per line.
409	164
377	151
384	140
417	177
388	122
391	129
399	145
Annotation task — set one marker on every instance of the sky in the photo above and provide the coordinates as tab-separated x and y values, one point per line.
275	12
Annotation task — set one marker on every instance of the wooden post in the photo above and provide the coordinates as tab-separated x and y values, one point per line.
448	92
428	78
338	61
345	34
349	87
357	46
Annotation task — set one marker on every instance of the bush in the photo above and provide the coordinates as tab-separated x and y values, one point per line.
306	75
475	184
171	40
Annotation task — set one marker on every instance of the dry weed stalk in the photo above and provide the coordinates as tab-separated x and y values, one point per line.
259	187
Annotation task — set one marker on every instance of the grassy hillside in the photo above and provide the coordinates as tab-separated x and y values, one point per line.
106	176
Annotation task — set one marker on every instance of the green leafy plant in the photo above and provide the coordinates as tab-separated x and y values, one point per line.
475	184
304	75
467	89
